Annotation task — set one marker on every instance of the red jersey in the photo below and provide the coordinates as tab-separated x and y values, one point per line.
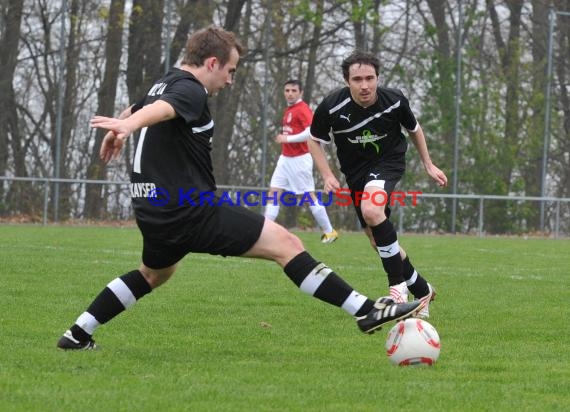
296	118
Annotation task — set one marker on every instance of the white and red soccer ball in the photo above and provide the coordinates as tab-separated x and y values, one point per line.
413	342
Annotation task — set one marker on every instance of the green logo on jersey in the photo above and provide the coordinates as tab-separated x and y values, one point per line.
368	137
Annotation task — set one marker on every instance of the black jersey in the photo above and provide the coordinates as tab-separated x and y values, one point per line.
364	136
172	161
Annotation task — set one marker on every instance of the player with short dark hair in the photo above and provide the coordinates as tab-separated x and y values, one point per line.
171	166
294	169
365	122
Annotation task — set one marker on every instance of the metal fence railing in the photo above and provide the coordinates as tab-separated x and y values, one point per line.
477	214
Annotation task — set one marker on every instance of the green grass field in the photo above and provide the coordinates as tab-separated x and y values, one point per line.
236	335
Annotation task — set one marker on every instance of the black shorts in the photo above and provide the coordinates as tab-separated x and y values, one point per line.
391	173
219	230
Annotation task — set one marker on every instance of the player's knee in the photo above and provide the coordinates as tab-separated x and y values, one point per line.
285	246
373	215
291	241
157	277
276	243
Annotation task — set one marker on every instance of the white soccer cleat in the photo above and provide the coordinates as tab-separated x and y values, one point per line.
399	293
424	312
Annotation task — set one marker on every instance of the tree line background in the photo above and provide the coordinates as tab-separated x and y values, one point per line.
63	61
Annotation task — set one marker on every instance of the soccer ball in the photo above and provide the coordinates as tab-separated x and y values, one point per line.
413	342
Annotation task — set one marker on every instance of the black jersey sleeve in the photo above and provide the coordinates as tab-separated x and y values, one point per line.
320	126
137	106
187	97
407	118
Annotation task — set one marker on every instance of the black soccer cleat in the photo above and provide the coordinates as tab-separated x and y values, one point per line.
68	342
384	311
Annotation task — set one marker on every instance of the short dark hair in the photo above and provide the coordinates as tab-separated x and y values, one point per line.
295	82
211	41
360	57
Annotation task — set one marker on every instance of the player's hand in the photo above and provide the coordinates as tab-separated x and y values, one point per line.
281	138
331	183
114	139
111	147
437	175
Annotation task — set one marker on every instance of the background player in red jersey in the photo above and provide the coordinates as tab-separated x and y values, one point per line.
294	170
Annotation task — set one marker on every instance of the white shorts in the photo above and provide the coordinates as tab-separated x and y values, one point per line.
294	174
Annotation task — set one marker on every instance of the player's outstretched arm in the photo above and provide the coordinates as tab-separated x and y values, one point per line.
121	128
432	170
320	159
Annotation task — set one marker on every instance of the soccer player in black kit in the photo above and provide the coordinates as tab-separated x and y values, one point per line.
365	122
171	166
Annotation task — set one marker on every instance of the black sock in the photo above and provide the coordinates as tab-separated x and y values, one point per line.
389	250
118	295
415	282
318	280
